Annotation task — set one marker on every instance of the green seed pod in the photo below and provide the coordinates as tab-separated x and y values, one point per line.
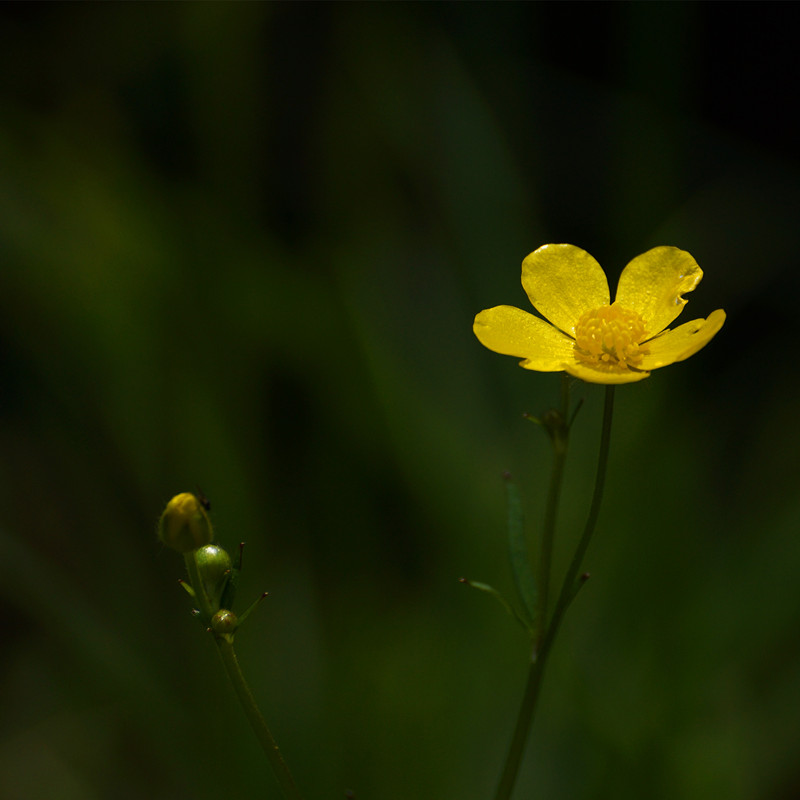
214	566
184	525
224	622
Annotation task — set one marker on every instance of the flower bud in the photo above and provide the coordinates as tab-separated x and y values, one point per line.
184	525
214	567
224	622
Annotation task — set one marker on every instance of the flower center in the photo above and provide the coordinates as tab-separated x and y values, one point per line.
608	338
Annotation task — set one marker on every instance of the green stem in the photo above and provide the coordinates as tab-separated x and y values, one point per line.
559	431
571	584
569	589
524	719
262	732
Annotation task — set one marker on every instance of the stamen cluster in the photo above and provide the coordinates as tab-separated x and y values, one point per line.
609	337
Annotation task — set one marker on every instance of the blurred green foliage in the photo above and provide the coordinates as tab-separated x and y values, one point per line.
241	247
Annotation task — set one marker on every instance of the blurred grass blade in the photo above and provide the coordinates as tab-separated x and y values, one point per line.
518	553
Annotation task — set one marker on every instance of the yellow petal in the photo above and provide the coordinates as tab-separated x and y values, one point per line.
514	332
683	341
562	281
653	285
586	373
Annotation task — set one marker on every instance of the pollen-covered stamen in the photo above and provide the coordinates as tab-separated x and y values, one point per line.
609	338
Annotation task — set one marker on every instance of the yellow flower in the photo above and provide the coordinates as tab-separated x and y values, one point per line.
587	336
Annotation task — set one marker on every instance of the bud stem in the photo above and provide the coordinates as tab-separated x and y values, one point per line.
251	710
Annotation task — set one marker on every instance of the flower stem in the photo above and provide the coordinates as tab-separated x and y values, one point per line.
571	581
559	432
262	732
569	589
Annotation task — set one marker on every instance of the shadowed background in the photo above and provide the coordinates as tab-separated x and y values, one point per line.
241	248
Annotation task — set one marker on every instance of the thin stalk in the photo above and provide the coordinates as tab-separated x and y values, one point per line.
524	719
571	584
559	432
262	732
568	591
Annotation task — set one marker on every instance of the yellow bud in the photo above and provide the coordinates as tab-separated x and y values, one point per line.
184	525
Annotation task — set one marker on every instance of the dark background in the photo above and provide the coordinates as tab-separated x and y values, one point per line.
241	247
